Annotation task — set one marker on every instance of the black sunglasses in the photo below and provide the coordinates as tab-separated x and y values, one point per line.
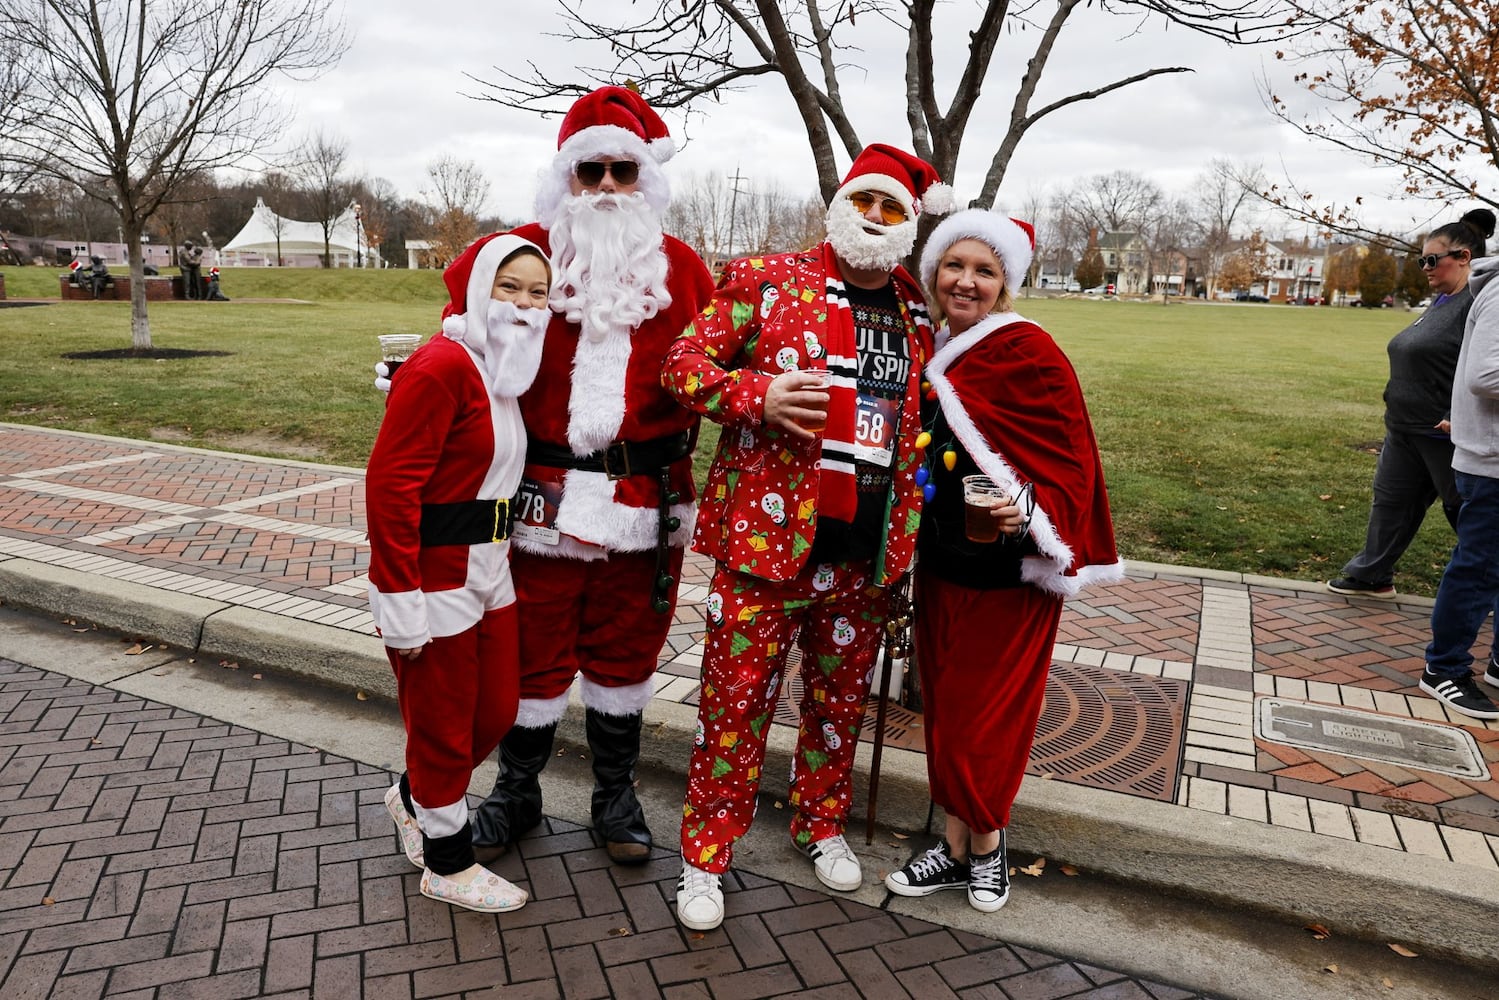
1430	260
590	173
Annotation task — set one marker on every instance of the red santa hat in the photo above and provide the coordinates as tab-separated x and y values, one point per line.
615	122
1013	242
470	281
908	179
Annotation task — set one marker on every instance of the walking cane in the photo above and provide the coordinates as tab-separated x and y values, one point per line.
897	648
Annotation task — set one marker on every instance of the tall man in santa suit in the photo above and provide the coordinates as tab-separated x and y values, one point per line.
606	502
810	510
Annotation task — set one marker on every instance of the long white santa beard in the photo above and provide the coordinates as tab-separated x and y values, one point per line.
882	250
609	261
512	347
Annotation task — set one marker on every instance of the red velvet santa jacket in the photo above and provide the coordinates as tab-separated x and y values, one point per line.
593	514
444	439
1012	398
760	506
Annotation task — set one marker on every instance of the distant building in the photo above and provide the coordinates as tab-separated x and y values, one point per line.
300	243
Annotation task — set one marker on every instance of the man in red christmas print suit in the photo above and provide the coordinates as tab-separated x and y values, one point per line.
812	362
606	504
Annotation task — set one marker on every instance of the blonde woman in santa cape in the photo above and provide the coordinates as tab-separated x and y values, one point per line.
445	465
1004	403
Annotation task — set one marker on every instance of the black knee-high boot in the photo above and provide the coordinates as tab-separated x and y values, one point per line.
514	806
617	816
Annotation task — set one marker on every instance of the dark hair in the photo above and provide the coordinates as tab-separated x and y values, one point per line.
535	252
1471	232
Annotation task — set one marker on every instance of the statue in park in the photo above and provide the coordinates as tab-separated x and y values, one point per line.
215	294
95	278
190	261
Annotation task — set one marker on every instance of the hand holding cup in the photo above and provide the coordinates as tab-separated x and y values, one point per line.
797	401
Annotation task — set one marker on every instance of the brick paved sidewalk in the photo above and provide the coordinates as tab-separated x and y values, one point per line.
1159	689
150	852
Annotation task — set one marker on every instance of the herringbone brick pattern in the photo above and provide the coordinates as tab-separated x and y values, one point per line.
1155	618
150	853
1337	641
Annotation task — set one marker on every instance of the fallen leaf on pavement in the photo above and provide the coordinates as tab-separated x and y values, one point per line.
1331	968
70	621
1035	868
1387	984
1318	931
80	630
48	901
361	696
191	659
619	932
229	664
1402	951
254	677
900	836
1067	870
136	650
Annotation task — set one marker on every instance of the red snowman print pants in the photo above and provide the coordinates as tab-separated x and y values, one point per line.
837	614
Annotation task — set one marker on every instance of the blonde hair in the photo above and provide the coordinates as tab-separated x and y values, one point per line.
1003	304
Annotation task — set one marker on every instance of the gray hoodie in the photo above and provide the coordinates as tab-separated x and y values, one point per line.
1475	389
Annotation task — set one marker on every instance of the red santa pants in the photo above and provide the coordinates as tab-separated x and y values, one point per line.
750	625
592	617
983	656
457	701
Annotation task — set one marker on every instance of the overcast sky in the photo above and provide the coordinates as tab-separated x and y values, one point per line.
397	96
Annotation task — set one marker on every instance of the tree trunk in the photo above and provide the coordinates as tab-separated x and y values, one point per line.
140	323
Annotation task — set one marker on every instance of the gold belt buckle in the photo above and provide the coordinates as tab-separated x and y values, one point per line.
501	520
617	461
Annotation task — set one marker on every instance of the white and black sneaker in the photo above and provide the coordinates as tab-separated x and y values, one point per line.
989	879
835	864
1491	676
699	899
931	872
1461	694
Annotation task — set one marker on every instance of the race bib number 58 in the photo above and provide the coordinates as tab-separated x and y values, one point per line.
875	424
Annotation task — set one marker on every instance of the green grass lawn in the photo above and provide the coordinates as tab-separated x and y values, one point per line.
1233	436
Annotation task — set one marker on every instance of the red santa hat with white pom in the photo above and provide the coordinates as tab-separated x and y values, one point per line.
908	179
613	122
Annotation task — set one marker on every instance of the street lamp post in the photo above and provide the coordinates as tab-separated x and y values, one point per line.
358	235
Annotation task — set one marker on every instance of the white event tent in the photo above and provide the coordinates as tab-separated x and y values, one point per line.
301	243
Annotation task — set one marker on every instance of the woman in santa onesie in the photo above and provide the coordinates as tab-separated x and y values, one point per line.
445	465
1004	403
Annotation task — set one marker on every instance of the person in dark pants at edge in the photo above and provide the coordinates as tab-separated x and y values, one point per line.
1470	584
190	262
1415	461
605	507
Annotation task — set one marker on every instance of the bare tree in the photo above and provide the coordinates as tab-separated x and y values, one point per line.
1226	195
1119	201
138	96
1411	85
380	203
455	199
719	222
326	192
679	52
278	191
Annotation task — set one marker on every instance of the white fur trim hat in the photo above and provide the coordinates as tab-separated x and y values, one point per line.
1013	242
908	179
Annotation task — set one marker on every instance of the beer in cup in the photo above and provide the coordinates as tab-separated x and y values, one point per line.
824	382
396	348
980	496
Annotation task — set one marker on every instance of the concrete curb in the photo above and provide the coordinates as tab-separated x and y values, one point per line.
1434	906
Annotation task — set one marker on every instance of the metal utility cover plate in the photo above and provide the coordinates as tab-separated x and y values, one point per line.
1367	736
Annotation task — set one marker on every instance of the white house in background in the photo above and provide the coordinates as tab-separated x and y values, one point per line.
301	243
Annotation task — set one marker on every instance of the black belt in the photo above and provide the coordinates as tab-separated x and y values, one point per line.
468	522
617	460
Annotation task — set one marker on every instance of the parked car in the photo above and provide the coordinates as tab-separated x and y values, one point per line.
1250	297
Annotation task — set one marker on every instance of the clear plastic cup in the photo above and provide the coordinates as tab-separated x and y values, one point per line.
824	382
396	348
981	495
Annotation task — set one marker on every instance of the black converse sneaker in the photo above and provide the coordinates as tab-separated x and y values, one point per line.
1491	676
927	874
989	879
1461	694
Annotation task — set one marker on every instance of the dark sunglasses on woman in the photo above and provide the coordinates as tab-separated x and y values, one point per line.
590	173
1430	260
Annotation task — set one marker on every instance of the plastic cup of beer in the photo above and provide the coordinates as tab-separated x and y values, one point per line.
980	496
824	382
396	348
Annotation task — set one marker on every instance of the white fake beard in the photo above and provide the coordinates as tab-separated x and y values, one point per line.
871	251
513	339
611	268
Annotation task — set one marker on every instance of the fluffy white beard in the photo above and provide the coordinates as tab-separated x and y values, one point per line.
882	250
512	347
611	268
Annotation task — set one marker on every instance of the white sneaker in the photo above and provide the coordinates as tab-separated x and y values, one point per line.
699	899
406	828
835	864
